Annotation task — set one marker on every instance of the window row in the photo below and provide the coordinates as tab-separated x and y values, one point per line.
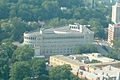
74	37
31	38
58	51
75	27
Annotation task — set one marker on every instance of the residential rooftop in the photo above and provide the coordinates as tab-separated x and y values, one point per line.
86	59
82	67
68	60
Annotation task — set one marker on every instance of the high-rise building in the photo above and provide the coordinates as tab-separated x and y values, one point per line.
113	33
114	29
116	12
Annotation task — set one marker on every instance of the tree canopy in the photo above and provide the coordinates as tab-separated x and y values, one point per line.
20	70
19	16
62	73
24	53
15	15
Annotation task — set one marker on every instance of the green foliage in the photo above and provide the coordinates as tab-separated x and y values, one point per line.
70	3
17	24
16	14
8	47
25	67
114	53
14	28
4	9
61	73
95	61
27	78
116	43
86	49
20	70
50	7
24	53
6	51
4	72
56	22
39	68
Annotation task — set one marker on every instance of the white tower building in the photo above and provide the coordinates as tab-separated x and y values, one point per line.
116	12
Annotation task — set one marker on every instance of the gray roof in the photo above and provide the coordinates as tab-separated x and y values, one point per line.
110	70
65	29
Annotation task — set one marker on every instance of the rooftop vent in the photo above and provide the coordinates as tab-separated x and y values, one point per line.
76	27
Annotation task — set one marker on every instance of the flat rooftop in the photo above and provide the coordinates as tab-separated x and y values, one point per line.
99	57
110	70
68	60
85	60
63	30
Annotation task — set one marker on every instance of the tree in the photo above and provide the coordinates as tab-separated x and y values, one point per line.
39	68
61	73
49	7
4	9
6	51
4	72
83	22
70	3
14	1
96	27
24	53
8	47
32	26
15	27
27	78
20	70
19	27
116	43
56	22
86	49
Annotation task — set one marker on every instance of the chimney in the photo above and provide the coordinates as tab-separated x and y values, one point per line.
109	67
102	73
107	74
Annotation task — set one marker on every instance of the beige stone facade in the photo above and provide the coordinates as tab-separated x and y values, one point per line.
113	33
87	70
